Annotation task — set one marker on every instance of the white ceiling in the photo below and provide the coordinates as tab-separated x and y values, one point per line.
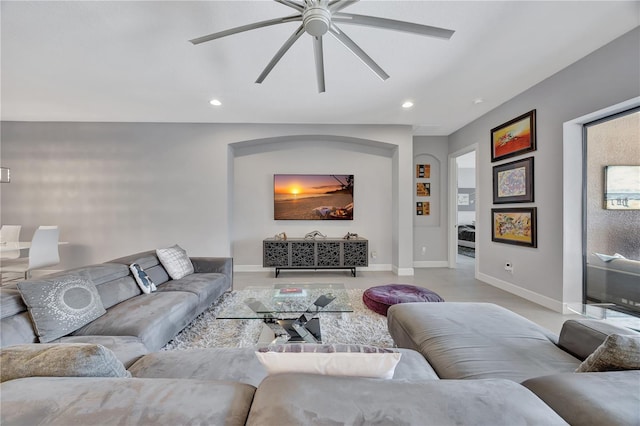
131	61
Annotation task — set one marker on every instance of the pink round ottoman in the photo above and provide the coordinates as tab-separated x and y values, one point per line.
379	298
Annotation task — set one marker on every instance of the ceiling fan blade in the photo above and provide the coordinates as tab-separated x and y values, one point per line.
318	53
292	3
248	27
391	24
338	5
285	47
355	49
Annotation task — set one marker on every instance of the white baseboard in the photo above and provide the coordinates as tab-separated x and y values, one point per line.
431	264
532	296
407	272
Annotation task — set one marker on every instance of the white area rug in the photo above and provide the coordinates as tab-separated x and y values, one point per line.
362	326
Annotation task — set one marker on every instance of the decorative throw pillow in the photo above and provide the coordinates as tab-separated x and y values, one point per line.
618	352
175	261
144	281
334	360
59	306
59	360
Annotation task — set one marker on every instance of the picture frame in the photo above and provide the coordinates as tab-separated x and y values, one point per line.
622	187
423	171
515	225
514	137
423	208
513	182
423	189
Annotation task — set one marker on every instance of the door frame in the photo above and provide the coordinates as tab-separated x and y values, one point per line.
452	220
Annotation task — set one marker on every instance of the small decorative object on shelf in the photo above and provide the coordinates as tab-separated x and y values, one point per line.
313	235
350	236
281	236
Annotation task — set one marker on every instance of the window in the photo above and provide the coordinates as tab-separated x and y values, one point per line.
611	206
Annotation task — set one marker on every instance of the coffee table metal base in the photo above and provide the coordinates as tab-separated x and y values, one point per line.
282	331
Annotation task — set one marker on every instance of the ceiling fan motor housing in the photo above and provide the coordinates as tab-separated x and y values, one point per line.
316	20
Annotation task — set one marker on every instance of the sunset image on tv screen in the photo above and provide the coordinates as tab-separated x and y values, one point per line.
313	197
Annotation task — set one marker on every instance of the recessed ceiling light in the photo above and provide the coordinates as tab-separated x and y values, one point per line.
215	102
478	101
407	104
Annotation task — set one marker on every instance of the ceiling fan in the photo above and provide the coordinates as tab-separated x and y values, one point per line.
320	17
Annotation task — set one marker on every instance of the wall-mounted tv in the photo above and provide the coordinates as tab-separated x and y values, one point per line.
312	197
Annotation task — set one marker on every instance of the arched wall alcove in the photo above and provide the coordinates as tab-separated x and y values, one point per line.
252	164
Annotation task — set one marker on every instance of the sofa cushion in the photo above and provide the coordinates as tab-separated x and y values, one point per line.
591	399
115	401
477	341
242	365
175	261
11	302
59	360
583	336
208	287
154	318
618	352
61	305
128	349
330	359
306	399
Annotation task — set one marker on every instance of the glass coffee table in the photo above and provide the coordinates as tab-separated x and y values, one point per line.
606	312
290	312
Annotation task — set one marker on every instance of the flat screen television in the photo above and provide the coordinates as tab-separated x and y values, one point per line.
312	197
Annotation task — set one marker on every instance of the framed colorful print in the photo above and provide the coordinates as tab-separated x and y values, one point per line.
423	171
622	187
513	182
515	225
514	137
423	189
423	208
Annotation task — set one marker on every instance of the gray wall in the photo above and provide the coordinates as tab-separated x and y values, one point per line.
606	77
430	231
118	188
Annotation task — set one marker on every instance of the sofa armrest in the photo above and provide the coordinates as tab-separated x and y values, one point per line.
581	337
220	265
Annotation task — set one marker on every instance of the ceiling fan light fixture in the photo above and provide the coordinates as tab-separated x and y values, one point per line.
316	20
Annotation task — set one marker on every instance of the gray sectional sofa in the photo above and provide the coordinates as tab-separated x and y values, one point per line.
462	363
134	323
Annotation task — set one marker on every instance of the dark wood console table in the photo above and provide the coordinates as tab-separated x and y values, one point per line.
320	253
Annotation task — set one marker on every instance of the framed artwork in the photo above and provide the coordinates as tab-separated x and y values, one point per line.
513	182
515	225
514	137
423	171
423	189
423	208
622	187
466	199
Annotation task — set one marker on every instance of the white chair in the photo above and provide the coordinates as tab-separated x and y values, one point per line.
10	236
43	252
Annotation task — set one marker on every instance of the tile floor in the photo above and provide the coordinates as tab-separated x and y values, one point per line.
454	285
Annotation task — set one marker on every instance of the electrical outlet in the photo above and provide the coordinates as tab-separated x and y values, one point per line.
508	266
374	254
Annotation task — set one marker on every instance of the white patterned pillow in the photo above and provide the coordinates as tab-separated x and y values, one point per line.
333	360
175	261
61	305
144	281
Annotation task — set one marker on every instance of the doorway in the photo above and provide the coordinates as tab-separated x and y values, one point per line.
463	196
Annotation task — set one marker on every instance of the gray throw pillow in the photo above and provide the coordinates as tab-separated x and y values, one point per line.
59	360
175	261
618	352
61	305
